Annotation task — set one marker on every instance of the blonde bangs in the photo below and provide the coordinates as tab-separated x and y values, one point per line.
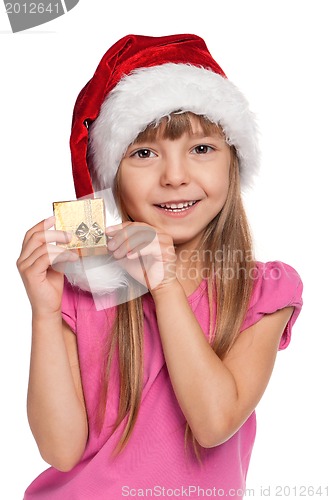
177	124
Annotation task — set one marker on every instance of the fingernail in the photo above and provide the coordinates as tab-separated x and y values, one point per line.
49	219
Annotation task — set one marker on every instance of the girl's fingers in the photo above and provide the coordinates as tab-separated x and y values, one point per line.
49	222
153	247
44	256
138	251
41	226
39	238
127	228
110	230
61	260
127	239
129	245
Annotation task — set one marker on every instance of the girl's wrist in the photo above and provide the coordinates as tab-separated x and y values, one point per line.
42	316
170	287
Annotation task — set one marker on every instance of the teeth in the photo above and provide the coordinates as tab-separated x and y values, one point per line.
178	205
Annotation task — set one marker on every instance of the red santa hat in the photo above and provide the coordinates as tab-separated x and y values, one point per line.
141	79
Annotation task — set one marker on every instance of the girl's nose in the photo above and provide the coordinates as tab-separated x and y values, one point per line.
175	172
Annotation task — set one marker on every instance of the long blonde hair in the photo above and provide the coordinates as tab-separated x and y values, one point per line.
229	280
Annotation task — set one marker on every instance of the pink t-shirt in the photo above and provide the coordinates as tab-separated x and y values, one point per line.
154	463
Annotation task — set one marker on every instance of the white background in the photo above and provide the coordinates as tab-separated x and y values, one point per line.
279	55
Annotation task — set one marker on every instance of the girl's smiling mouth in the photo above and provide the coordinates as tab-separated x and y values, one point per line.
177	208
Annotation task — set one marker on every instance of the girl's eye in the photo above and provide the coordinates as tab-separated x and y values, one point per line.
202	149
143	153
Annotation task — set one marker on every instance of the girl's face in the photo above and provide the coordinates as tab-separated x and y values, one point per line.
178	185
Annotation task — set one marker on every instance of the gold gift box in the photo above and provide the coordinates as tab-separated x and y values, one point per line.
85	219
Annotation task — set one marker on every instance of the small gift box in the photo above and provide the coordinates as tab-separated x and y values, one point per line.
85	219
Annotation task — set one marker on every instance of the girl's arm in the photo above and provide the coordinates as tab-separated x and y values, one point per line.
56	409
215	396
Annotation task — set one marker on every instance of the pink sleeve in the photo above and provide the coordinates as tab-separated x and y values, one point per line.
69	305
277	285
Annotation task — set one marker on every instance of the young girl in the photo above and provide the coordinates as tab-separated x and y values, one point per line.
155	396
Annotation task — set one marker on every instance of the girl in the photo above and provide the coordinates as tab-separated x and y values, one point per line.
155	396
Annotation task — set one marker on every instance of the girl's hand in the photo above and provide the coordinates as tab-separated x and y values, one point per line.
44	285
146	253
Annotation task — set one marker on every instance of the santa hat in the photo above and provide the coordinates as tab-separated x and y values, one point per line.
141	79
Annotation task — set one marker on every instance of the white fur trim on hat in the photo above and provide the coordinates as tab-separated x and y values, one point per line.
148	94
